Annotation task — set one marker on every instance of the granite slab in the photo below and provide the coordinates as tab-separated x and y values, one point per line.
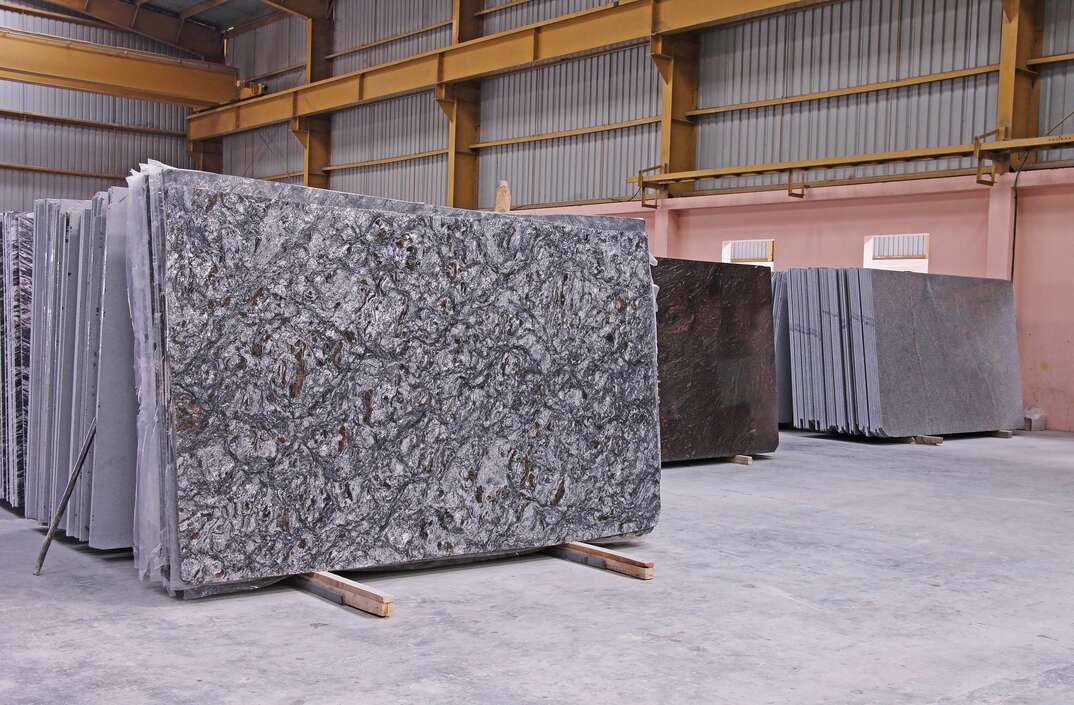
781	329
947	352
903	354
342	387
115	446
717	360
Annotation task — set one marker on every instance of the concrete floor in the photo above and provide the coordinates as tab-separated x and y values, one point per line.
833	572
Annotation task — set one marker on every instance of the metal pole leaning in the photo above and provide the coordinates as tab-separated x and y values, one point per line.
75	472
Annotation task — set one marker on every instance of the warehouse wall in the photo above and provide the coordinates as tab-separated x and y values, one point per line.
273	54
1057	80
618	86
405	126
267	152
366	24
509	15
971	234
112	152
840	45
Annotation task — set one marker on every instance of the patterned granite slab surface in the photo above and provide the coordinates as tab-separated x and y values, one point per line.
717	360
350	388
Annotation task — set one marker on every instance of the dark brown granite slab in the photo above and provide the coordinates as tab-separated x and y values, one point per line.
716	359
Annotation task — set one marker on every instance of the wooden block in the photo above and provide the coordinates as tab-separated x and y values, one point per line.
603	558
347	592
1003	434
742	460
928	440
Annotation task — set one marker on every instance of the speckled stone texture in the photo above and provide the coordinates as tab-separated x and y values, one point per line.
717	360
349	388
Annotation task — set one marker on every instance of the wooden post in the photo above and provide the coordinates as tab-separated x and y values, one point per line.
676	59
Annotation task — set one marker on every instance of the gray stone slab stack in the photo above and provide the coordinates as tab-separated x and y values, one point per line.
896	354
781	330
342	382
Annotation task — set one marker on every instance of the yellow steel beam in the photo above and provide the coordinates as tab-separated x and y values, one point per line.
561	134
315	134
74	122
199	39
350	166
1018	96
208	155
61	172
389	39
461	104
988	150
850	90
676	60
33	58
556	39
314	9
466	23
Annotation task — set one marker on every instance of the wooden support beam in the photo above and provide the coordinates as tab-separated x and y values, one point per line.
676	60
604	558
1018	98
347	592
461	104
200	40
315	9
576	34
66	63
466	20
208	155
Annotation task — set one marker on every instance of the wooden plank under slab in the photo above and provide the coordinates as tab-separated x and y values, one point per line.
346	592
603	558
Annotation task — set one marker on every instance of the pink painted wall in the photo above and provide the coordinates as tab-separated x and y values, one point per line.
972	228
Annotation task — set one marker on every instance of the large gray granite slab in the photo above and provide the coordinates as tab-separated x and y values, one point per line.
116	405
348	387
947	353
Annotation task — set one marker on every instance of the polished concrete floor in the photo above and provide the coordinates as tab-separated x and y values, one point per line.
832	572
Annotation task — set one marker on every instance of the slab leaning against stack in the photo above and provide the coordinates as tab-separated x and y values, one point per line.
75	271
898	354
16	233
329	381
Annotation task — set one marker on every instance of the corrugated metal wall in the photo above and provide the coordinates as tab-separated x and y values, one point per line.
841	45
1057	80
361	22
266	151
532	11
91	149
269	49
406	125
73	30
615	87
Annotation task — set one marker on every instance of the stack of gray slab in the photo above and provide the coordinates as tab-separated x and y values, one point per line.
897	354
16	234
73	293
783	347
330	382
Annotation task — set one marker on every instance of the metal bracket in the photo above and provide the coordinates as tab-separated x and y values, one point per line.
977	142
800	193
643	189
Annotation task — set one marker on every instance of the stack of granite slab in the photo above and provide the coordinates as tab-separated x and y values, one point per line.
329	381
783	347
717	365
898	354
16	236
69	359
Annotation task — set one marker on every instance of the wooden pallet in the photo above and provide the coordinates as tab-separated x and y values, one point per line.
350	593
